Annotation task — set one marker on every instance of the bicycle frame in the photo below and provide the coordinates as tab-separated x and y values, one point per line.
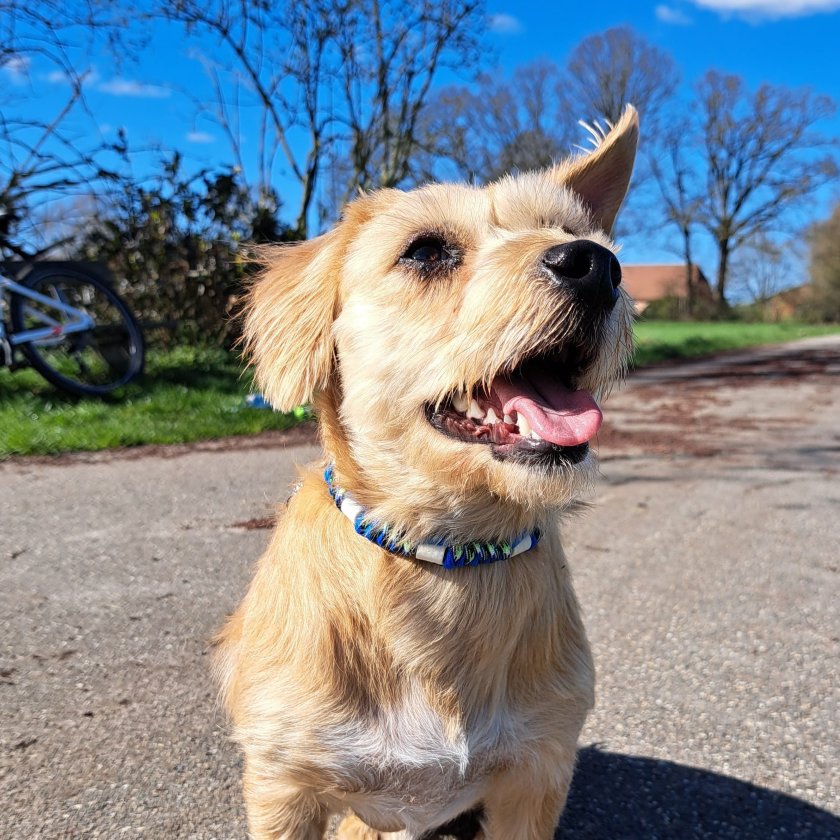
53	330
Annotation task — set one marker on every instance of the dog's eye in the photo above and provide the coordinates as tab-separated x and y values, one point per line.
429	252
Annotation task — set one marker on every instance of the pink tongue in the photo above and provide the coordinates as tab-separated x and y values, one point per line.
555	412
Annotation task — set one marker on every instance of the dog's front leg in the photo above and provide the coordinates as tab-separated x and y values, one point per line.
523	804
280	812
352	828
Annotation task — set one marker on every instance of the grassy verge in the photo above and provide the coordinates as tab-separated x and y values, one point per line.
191	394
186	394
658	341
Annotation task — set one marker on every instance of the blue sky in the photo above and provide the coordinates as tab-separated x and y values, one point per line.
790	42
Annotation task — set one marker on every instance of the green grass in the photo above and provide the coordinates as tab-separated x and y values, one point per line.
658	341
190	394
186	394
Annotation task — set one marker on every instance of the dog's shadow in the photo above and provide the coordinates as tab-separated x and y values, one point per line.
627	797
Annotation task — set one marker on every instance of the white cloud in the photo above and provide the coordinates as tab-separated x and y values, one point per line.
505	24
675	17
16	67
130	87
200	137
774	9
92	80
88	78
57	77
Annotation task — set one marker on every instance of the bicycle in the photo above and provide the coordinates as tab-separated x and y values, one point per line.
71	326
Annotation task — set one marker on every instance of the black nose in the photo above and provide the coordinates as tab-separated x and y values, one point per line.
586	268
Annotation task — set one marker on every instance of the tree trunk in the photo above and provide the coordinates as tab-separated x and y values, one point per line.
300	228
723	272
689	280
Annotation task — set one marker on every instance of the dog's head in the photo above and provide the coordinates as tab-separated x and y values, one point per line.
456	339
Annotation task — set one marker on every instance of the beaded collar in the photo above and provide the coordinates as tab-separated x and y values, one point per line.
448	556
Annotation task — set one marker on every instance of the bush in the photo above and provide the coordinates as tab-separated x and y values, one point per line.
674	308
176	249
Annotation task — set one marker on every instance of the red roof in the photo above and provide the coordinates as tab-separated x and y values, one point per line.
646	283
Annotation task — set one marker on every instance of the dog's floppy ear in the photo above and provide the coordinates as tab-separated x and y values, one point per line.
602	176
288	319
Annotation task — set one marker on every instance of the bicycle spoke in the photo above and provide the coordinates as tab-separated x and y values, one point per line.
83	368
102	347
41	317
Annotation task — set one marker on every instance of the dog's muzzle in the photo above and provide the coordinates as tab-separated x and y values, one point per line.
586	270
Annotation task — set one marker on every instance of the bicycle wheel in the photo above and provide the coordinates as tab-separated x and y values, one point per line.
89	362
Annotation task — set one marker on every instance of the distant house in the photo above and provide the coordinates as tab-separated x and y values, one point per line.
785	305
647	283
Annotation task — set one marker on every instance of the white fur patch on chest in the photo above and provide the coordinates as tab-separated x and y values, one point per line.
409	772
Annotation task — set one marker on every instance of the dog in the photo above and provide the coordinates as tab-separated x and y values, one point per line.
410	650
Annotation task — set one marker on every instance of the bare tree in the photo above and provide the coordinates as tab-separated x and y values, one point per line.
41	162
526	122
763	267
333	82
498	126
30	28
761	159
681	201
607	70
603	73
44	158
409	43
271	63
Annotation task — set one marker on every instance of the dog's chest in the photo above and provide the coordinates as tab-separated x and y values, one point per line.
411	761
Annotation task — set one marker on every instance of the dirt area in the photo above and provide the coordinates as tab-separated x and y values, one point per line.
710	407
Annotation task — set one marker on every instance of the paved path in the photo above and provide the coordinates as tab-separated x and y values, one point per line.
708	569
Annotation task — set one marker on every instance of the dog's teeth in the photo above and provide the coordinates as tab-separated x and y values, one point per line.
474	412
524	427
491	416
535	436
509	419
460	404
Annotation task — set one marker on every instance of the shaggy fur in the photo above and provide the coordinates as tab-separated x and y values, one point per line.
359	680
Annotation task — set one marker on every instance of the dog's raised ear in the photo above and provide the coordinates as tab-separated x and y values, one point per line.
602	176
288	319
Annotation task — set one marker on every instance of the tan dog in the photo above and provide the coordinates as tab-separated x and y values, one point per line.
360	678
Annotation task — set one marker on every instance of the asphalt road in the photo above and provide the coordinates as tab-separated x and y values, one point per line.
708	569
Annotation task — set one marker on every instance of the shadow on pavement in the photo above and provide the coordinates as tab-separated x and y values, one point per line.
782	365
624	797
